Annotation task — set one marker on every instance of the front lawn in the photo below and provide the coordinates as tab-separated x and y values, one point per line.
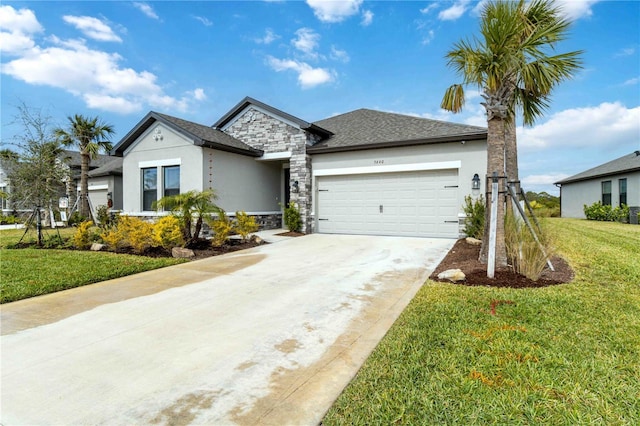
32	272
567	354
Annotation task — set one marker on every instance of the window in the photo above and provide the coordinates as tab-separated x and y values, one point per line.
606	193
622	187
171	180
149	188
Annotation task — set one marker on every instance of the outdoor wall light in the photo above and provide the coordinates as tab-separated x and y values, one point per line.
295	186
475	182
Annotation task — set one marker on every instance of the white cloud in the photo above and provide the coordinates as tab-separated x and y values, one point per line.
428	9
199	94
306	41
333	10
576	9
632	82
339	55
268	38
308	76
92	28
367	18
606	125
204	21
94	76
17	29
531	181
454	12
627	51
146	9
429	37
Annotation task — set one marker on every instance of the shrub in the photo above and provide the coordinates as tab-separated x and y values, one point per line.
222	228
474	222
76	218
82	239
292	219
597	211
129	232
245	225
525	254
9	220
167	232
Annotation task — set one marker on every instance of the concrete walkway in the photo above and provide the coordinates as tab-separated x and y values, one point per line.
269	335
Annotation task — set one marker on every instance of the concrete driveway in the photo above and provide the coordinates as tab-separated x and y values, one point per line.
267	336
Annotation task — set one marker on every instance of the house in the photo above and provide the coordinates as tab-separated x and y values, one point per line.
614	183
363	172
105	179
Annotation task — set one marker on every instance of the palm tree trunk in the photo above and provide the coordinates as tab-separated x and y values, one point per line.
495	163
84	183
511	153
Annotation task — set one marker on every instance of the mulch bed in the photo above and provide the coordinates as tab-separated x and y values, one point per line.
291	234
464	256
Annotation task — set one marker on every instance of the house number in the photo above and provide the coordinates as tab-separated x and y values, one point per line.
376	162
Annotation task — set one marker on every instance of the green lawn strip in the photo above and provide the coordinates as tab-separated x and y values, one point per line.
567	354
27	273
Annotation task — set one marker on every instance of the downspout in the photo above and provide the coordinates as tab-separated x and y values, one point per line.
559	186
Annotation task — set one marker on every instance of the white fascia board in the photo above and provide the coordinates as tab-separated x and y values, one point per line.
393	168
262	110
270	156
159	163
98	187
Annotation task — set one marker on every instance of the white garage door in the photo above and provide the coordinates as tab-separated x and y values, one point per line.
422	203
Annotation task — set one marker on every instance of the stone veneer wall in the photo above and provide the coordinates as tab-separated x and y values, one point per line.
269	134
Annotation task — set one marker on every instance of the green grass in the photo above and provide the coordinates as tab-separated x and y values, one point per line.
32	272
561	355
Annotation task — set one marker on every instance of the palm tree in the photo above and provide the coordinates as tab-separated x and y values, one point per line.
91	136
188	204
513	66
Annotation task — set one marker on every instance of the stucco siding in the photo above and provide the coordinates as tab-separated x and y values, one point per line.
242	183
471	157
576	194
152	149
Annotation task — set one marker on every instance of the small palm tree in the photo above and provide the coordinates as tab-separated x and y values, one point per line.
91	136
186	206
512	66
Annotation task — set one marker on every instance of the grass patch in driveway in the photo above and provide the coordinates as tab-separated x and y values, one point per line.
32	272
567	354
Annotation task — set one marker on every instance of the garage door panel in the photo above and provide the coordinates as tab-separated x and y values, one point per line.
413	203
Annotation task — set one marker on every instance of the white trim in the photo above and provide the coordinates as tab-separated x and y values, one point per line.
262	110
98	187
159	163
255	213
282	155
441	165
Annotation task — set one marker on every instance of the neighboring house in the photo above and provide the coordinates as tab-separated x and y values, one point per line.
5	189
614	183
363	172
105	180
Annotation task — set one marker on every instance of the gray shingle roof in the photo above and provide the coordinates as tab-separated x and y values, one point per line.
73	159
200	134
624	164
365	128
113	167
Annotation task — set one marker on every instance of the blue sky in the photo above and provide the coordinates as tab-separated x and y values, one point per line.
313	59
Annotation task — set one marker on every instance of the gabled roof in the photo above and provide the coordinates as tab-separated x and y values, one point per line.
199	134
625	164
243	104
74	160
113	167
366	129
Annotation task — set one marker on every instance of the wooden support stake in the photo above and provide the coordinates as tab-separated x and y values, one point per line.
493	223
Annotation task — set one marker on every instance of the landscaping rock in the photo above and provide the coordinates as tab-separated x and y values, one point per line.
453	275
97	247
182	253
473	241
257	239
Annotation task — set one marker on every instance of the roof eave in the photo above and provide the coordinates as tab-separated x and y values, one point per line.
221	147
597	176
